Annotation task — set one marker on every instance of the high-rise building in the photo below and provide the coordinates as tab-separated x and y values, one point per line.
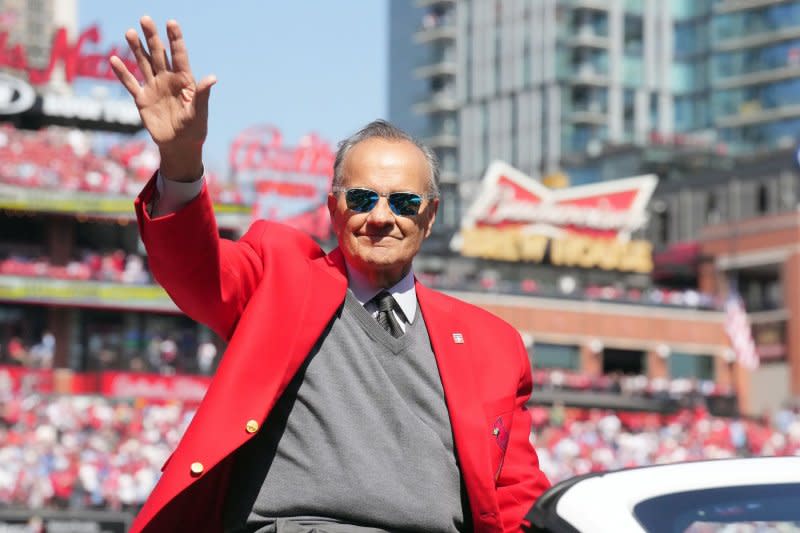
422	98
755	73
546	85
404	56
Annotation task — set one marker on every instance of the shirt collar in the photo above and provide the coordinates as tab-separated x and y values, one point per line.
403	291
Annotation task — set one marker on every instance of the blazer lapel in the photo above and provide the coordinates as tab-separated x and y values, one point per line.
328	285
455	361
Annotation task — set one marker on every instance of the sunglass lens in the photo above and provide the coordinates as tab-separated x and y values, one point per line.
361	200
405	203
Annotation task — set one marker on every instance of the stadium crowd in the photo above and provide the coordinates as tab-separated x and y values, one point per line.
628	385
578	441
92	452
68	159
116	267
568	287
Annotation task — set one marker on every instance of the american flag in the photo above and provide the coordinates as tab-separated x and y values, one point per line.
737	326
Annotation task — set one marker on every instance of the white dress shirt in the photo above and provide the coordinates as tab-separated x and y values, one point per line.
403	293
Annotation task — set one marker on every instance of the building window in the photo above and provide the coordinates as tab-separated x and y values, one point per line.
762	199
712	209
663	226
683	365
627	362
449	206
633	35
546	355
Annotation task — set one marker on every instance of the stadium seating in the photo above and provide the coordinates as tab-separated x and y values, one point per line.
79	452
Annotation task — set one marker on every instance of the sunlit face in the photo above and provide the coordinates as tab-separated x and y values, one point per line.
380	243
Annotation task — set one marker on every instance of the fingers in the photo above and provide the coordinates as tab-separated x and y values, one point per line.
124	75
177	47
203	93
142	57
158	54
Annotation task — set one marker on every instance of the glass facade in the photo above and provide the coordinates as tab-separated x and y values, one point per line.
757	59
755	71
745	23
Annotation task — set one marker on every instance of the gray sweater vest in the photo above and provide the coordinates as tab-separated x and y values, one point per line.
360	441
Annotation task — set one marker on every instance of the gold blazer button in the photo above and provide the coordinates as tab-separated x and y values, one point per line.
251	426
196	468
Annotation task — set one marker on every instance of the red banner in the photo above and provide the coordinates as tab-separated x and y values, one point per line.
77	62
26	380
153	386
284	183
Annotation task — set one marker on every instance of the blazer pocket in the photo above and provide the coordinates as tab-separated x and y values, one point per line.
499	417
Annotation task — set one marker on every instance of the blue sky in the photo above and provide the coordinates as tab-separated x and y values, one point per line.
300	65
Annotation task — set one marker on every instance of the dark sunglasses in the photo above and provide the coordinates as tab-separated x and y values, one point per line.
363	200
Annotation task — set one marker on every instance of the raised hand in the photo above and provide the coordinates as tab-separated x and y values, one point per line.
173	107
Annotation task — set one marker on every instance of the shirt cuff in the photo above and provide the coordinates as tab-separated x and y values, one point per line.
173	195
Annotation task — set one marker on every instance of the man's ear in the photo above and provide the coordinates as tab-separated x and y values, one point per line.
433	208
332	201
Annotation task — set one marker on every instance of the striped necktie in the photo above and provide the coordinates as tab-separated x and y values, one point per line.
386	304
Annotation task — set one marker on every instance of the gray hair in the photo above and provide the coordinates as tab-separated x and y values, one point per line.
382	129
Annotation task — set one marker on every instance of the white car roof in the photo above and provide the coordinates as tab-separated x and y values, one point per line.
605	502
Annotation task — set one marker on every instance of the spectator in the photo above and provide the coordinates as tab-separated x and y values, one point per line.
206	354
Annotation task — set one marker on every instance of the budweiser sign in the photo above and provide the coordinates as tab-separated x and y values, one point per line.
76	60
517	218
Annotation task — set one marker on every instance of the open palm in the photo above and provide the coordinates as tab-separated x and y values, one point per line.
173	107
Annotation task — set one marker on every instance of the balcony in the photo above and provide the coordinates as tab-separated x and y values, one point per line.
753	78
587	113
443	101
753	113
440	67
442	140
600	5
448	176
436	3
729	6
586	36
586	73
436	29
750	39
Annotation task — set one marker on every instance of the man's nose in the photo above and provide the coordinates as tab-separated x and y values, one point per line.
381	214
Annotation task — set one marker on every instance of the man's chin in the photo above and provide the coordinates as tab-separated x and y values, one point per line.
378	262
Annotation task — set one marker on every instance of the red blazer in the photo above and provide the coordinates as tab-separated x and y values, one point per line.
271	294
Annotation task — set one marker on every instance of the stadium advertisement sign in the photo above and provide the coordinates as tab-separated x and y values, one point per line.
52	521
289	184
16	379
76	60
516	218
97	205
18	97
183	388
92	294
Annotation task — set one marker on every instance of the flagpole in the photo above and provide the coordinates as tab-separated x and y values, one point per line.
733	287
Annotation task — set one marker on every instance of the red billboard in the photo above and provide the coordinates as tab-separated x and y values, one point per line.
284	183
78	60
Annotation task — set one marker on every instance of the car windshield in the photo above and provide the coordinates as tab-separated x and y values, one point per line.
741	509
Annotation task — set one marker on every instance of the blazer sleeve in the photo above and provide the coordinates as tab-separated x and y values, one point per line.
521	481
210	278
